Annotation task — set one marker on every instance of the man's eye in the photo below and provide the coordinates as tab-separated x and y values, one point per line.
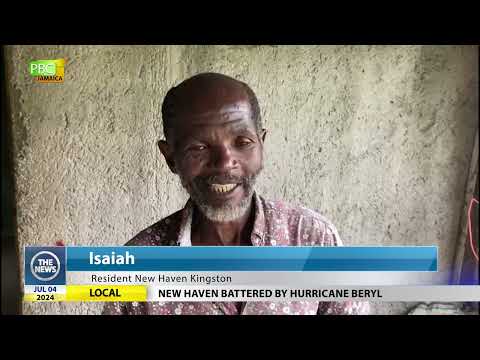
243	142
197	148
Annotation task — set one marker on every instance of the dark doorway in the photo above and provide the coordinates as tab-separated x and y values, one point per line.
11	303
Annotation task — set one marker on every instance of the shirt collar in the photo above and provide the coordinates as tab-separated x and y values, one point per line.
185	230
258	231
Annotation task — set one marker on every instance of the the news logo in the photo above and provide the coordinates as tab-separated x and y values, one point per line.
45	266
48	71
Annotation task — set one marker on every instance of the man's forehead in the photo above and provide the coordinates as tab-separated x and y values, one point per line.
227	120
209	102
222	112
212	103
209	93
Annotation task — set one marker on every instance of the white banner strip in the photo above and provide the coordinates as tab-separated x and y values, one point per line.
258	278
443	293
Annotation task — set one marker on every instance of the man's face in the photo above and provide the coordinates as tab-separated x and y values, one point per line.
218	154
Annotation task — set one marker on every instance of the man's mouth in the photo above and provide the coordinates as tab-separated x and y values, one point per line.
222	188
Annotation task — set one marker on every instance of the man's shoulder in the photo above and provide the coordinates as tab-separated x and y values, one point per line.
294	212
299	218
161	233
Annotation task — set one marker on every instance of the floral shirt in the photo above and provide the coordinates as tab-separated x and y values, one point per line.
276	224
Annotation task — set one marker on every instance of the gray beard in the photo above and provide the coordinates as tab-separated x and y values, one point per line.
223	213
227	212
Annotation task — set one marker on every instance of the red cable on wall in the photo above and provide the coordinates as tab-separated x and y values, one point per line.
472	246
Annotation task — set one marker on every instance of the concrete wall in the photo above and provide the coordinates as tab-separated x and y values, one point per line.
377	138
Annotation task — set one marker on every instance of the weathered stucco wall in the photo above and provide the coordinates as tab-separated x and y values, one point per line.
378	139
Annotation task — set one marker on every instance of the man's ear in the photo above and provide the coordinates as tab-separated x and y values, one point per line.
263	134
167	152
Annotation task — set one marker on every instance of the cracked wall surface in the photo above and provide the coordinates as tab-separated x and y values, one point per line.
376	138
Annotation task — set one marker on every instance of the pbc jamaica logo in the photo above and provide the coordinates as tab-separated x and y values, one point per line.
48	71
45	266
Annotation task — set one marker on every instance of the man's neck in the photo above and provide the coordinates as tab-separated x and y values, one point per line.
206	232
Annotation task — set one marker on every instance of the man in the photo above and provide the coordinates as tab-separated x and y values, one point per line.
214	143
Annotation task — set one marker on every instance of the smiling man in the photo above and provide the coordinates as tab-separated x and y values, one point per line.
214	143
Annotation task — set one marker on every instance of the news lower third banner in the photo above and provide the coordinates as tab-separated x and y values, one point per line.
237	274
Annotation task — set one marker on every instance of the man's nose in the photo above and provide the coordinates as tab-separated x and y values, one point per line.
224	159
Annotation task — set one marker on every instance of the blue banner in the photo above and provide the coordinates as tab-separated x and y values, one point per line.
249	258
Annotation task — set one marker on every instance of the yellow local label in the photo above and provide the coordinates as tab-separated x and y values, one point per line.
106	293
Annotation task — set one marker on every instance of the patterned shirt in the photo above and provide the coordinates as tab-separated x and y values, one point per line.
276	224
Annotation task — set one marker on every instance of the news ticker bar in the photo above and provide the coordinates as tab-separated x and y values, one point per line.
143	293
249	258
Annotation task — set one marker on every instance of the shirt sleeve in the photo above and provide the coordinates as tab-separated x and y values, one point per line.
332	238
114	308
144	238
344	308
